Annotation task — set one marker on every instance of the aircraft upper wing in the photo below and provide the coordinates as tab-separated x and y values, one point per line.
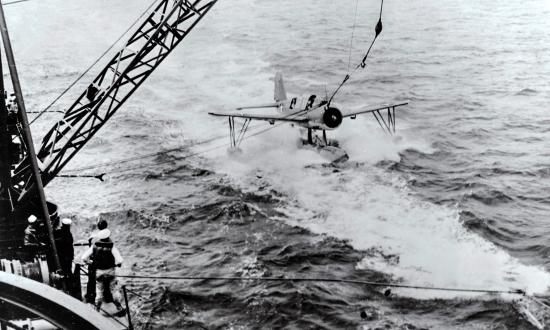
289	118
360	112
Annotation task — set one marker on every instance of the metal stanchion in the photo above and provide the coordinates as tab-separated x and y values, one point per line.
130	326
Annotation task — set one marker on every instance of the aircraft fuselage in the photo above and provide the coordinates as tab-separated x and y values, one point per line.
319	116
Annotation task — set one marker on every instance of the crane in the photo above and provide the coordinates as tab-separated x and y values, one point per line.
168	24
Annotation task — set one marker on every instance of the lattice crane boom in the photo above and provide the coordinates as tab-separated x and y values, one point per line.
161	32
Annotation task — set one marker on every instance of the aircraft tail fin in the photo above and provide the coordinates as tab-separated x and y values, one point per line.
280	92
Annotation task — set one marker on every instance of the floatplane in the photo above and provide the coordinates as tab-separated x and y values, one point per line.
311	114
306	112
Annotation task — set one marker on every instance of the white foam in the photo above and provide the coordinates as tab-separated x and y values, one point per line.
434	249
374	209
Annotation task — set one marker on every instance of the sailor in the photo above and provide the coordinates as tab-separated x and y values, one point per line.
64	243
33	234
310	101
91	287
104	257
293	103
101	224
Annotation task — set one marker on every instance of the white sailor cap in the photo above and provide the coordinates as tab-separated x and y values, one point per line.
102	234
66	221
31	218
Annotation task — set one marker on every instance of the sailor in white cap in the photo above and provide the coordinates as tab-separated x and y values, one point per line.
104	257
64	243
32	233
101	224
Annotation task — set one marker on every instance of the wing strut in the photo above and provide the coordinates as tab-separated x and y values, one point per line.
236	139
387	122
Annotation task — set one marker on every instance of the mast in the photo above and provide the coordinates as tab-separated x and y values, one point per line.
27	136
5	159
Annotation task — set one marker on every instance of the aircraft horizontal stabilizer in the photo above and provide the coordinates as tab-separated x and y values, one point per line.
269	105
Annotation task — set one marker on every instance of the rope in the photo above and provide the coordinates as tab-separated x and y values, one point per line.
58	111
191	155
540	302
13	2
166	161
135	293
126	160
144	156
329	280
98	176
92	65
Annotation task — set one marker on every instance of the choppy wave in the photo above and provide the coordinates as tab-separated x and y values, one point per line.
459	198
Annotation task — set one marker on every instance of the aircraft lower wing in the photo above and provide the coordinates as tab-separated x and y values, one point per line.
288	118
236	136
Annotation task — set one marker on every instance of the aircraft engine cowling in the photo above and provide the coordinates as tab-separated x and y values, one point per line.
332	118
323	118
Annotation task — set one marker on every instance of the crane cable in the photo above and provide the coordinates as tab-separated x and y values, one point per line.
92	65
362	64
352	33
